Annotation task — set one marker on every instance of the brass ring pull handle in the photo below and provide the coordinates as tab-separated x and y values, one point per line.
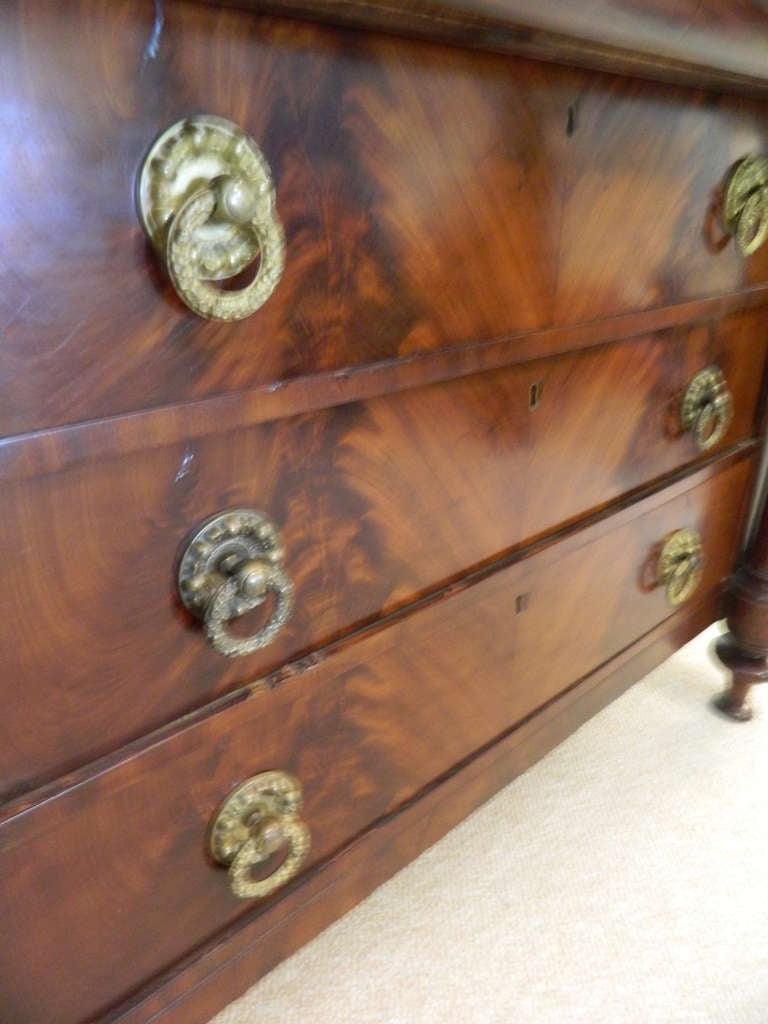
707	408
256	821
205	199
679	566
244	592
745	205
229	568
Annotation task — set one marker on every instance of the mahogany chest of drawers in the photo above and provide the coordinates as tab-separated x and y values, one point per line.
381	393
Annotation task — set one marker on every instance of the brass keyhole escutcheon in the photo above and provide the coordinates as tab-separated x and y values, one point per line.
205	199
230	567
745	204
679	566
258	819
707	408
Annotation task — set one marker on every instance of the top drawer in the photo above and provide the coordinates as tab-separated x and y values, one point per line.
430	198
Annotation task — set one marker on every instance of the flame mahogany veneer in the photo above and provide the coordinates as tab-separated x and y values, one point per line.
460	406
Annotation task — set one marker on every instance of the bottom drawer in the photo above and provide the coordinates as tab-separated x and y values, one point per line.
120	860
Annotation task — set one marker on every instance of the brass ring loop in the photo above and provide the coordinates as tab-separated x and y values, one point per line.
707	408
259	818
205	198
683	581
752	225
203	296
254	852
217	615
710	425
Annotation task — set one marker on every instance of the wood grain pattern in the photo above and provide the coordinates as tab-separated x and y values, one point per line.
356	132
365	730
701	42
378	503
463	555
222	969
432	198
52	451
639	224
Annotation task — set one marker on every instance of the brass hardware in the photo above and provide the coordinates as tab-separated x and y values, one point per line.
205	199
745	205
255	821
679	565
228	568
707	408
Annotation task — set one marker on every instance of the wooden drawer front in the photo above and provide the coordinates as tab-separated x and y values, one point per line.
364	730
377	502
431	197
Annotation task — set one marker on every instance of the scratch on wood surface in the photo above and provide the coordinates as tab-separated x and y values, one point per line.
152	47
185	465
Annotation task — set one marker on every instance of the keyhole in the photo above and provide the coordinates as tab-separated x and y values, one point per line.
534	394
521	602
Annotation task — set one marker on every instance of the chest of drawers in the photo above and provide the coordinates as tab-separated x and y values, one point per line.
303	562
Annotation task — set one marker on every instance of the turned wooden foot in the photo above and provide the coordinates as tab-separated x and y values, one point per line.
744	649
746	672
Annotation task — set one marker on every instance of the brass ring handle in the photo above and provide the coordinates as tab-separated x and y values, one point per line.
707	408
230	567
257	820
752	226
183	262
745	204
682	580
247	590
205	199
679	566
267	840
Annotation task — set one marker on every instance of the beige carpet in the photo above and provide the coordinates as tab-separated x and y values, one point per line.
622	880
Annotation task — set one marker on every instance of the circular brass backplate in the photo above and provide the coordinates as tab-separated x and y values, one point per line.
186	158
223	543
269	795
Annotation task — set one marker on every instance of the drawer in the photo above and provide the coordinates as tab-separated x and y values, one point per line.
431	198
378	502
363	730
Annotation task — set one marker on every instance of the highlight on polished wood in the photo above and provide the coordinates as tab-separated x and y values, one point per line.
382	392
431	198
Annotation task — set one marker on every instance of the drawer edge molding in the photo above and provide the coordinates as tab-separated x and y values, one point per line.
636	44
44	452
549	549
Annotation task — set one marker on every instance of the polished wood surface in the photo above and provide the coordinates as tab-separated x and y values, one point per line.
58	449
223	968
378	503
460	406
432	199
365	730
704	42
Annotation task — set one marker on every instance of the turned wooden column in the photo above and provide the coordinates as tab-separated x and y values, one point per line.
744	649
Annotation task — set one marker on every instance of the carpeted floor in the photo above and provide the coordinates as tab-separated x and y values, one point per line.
622	880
